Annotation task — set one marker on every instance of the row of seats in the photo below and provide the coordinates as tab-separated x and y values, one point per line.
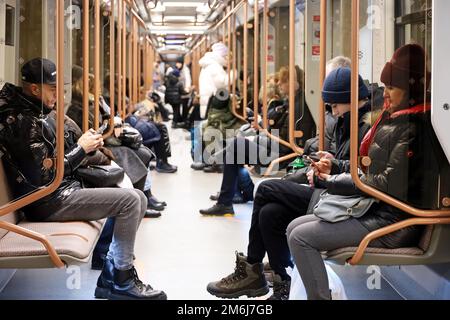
74	242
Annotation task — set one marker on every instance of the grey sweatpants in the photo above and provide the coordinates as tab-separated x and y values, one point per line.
308	236
128	206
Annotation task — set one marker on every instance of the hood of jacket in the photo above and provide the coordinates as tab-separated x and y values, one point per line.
211	58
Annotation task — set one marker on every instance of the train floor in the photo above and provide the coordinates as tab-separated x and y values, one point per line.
181	251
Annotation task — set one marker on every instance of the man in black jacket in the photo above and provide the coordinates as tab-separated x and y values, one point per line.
28	141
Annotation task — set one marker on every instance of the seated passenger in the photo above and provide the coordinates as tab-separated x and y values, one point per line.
399	144
253	151
245	187
29	142
279	202
135	162
146	119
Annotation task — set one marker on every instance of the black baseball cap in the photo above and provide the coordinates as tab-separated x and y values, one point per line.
39	71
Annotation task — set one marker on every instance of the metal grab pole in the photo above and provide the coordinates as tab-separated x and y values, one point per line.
119	58
86	45
97	65
245	55
292	75
323	62
112	71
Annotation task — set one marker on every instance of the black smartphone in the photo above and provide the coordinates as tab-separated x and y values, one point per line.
102	128
314	157
310	159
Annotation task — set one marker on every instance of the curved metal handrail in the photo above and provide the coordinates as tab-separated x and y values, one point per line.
354	154
59	170
354	135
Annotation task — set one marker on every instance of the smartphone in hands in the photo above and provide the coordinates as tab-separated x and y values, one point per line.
102	129
311	159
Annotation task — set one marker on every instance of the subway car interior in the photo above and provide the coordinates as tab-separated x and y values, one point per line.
224	149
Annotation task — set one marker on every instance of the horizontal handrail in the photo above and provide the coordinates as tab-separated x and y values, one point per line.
224	19
357	257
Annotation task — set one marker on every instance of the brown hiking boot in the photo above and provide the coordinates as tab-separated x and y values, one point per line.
247	280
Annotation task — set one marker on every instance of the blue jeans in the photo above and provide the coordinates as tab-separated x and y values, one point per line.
102	247
196	142
245	186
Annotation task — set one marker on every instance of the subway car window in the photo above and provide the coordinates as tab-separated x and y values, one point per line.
227	152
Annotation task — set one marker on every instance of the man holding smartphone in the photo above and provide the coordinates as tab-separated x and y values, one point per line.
29	141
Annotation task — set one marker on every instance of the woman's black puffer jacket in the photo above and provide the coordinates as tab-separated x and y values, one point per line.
406	163
174	90
28	140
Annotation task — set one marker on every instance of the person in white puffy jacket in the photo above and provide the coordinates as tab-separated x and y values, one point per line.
213	75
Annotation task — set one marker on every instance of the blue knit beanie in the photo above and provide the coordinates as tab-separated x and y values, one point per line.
337	87
176	73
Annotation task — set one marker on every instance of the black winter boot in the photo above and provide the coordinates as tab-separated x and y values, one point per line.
127	286
106	280
153	203
281	288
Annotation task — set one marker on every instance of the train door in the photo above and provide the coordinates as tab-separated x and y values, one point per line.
8	42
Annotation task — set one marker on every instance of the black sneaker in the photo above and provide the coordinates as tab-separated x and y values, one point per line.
218	210
281	288
247	280
127	286
106	280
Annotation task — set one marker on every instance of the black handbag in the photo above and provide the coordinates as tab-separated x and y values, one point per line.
101	176
131	138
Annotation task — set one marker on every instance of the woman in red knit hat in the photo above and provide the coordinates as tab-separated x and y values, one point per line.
406	161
